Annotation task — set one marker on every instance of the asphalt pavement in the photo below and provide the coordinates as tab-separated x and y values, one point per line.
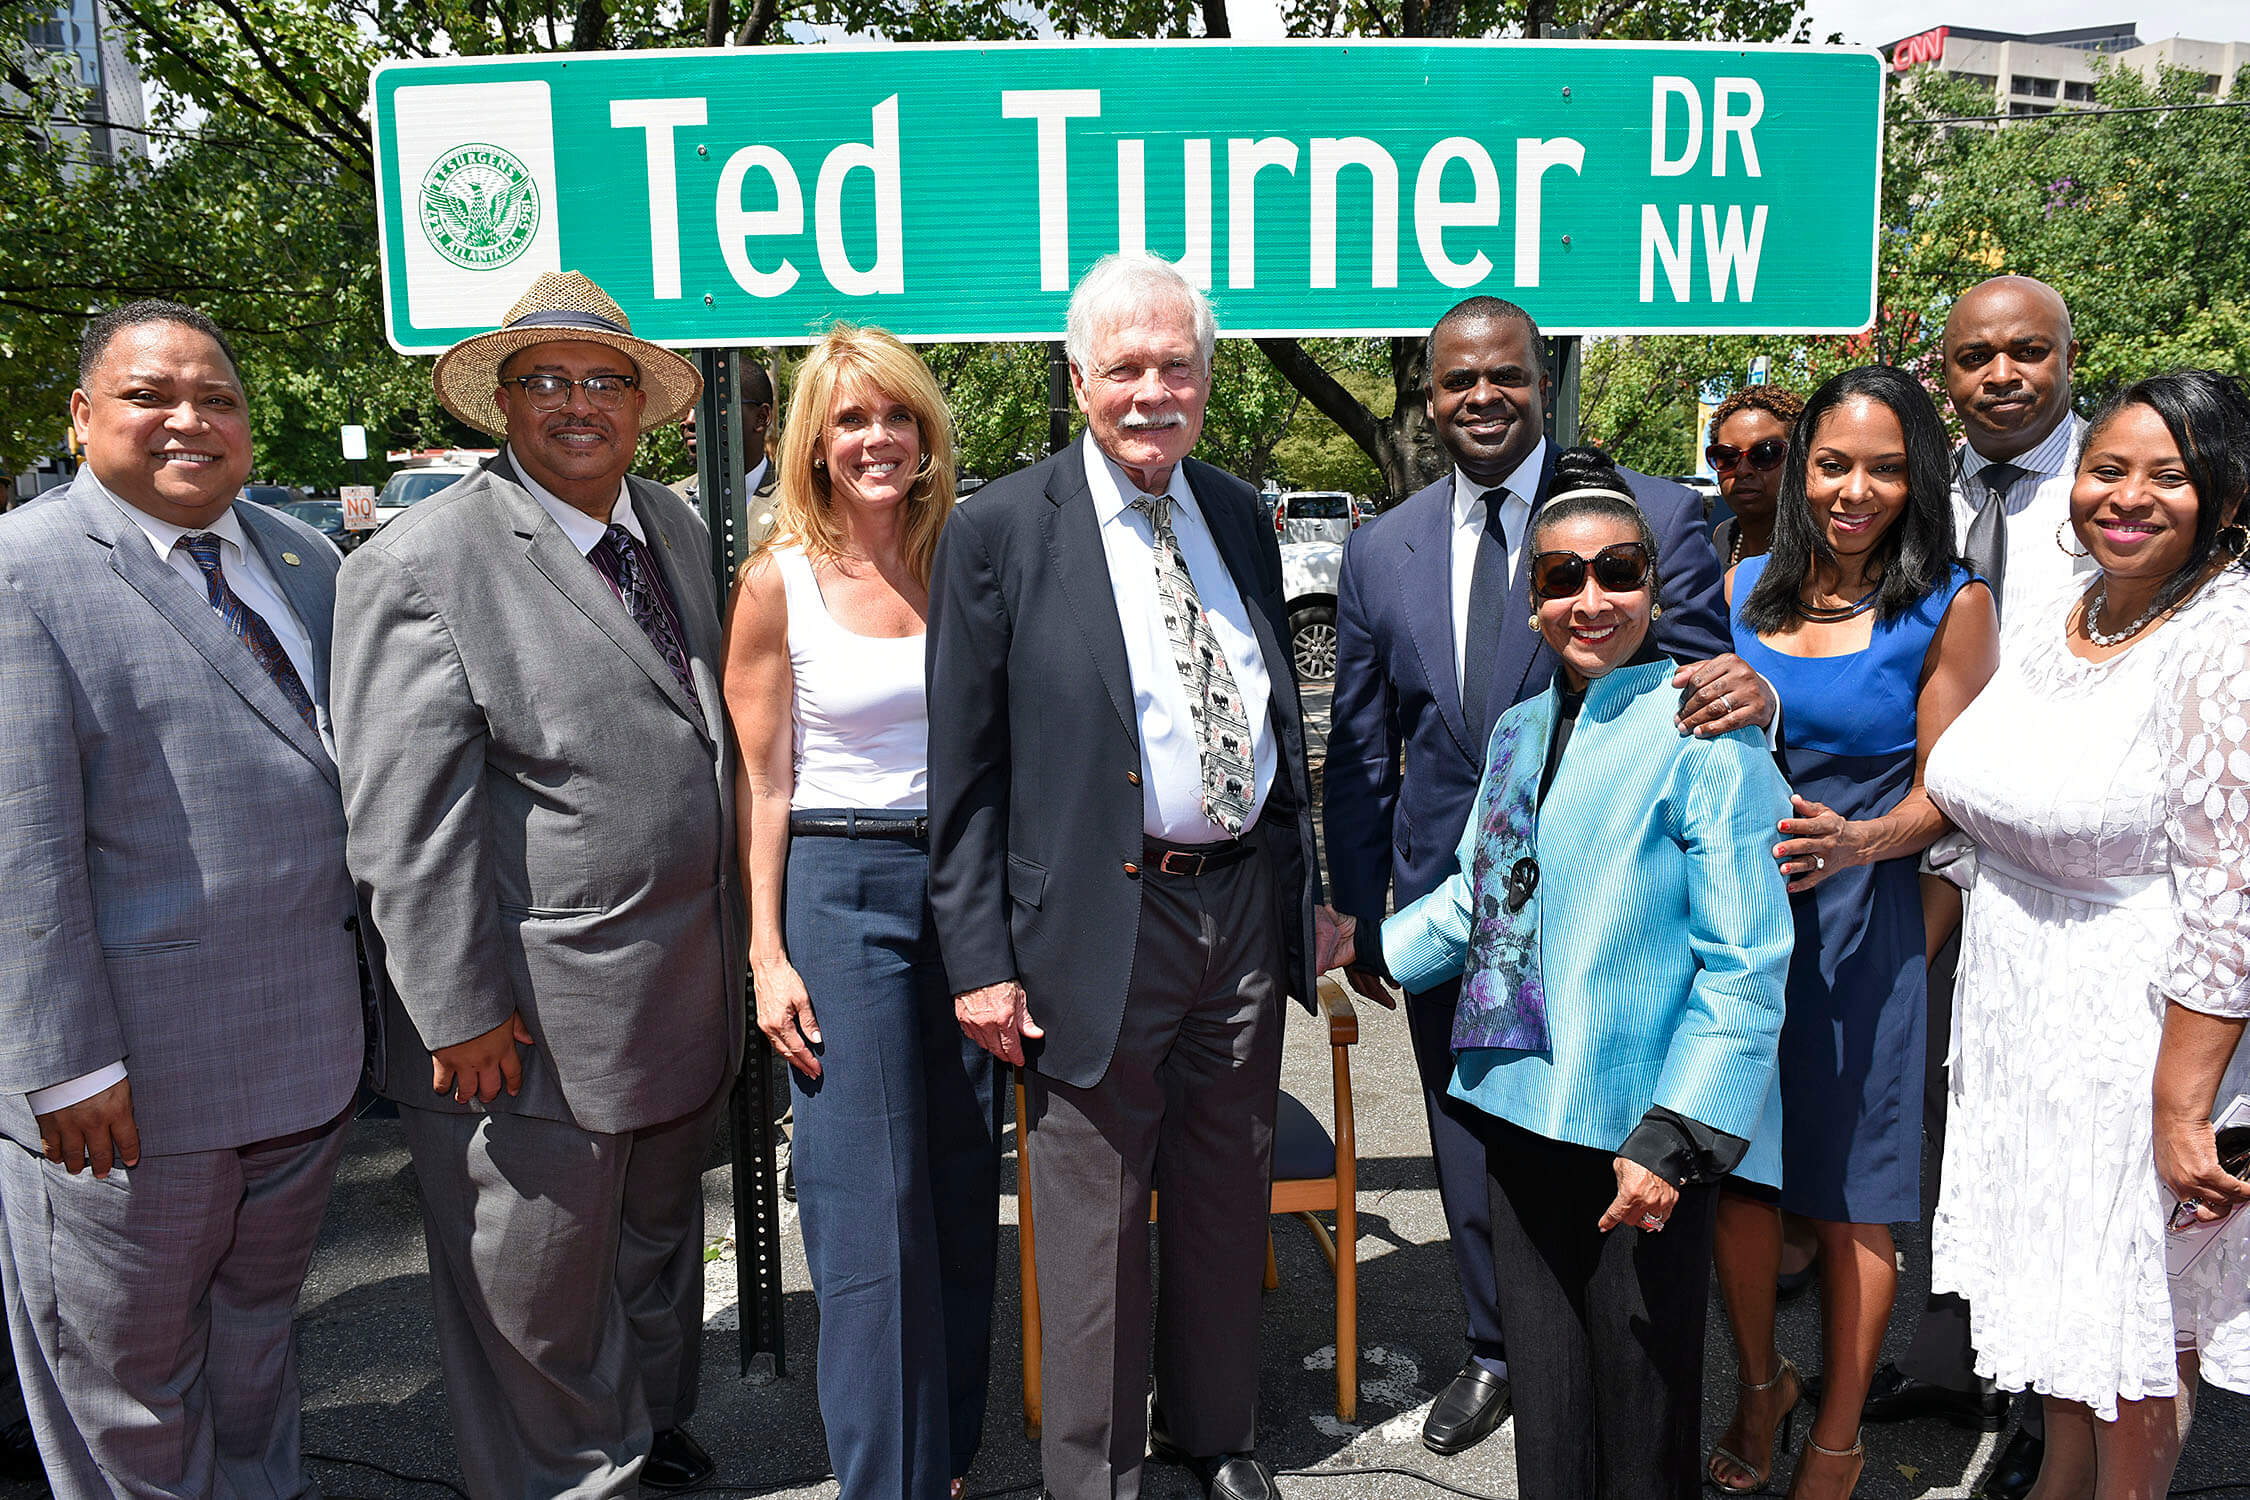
373	1394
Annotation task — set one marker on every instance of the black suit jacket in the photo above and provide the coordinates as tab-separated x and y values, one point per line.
1035	759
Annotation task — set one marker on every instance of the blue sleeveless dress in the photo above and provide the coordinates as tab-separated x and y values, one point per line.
1849	1090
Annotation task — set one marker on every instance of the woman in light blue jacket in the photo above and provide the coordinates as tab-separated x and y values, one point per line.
1623	934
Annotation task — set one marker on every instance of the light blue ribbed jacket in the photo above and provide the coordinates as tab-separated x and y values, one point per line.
1663	932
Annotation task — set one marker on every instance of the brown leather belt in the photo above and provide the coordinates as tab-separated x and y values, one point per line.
1194	859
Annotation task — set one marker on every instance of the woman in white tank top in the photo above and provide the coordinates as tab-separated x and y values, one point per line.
896	1142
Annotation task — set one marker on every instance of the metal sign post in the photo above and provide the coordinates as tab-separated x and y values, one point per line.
751	1114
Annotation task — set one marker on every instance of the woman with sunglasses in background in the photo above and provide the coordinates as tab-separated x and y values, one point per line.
1749	439
1874	638
1622	937
2105	781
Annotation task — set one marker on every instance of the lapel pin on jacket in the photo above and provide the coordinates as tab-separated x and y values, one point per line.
290	558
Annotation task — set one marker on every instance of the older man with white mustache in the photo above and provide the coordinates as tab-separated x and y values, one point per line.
1121	866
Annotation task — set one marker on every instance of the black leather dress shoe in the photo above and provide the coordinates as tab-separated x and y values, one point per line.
1466	1412
1895	1396
1225	1476
1233	1476
676	1461
2016	1470
19	1454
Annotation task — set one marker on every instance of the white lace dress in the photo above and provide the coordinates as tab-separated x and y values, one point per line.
2110	808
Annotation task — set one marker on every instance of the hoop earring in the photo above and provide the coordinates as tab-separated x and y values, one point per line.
1534	622
1656	611
2059	530
2241	543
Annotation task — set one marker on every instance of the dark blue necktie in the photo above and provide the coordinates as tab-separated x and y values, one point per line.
1488	601
248	625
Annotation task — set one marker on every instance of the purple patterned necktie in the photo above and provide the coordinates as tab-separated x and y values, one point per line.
620	558
249	626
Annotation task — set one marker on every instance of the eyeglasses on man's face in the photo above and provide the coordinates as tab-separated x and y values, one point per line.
552	392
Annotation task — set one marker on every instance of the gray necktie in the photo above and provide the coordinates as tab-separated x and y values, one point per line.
1987	545
1222	732
1488	601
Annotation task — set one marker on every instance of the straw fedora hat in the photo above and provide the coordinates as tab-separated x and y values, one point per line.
561	306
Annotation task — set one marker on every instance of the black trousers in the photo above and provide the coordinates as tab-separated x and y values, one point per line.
1941	1353
1458	1151
1605	1332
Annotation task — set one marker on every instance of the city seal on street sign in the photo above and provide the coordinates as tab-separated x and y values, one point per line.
480	206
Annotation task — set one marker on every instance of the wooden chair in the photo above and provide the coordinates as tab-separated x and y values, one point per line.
1314	1171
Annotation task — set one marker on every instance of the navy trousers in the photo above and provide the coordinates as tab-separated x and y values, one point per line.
1457	1148
896	1151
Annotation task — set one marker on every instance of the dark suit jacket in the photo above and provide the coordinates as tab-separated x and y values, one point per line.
1035	760
1403	763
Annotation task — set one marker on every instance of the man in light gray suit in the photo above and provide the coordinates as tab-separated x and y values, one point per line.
540	793
181	1027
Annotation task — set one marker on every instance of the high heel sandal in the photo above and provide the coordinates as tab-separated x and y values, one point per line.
1784	1426
1857	1453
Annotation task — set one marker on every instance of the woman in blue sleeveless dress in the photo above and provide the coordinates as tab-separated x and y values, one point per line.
1874	639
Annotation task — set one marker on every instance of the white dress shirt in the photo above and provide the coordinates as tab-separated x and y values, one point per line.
2038	503
1171	760
584	531
246	573
1468	527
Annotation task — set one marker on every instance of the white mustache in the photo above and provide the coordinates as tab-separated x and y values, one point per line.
1133	421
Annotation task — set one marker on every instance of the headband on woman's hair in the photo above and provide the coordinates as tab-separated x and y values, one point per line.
1581	494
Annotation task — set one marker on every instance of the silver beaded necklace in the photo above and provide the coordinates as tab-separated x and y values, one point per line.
2099	637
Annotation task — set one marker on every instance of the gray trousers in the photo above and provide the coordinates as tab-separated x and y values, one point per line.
567	1270
1186	1108
153	1315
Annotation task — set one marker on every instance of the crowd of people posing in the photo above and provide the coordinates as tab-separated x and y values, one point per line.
1715	867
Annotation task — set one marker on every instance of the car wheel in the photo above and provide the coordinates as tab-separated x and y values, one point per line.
1312	635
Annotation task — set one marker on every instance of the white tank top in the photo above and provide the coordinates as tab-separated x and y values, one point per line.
862	723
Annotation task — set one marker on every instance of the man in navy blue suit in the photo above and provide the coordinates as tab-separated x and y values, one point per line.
1432	648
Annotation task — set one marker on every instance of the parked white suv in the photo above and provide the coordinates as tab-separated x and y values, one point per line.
1315	516
1308	582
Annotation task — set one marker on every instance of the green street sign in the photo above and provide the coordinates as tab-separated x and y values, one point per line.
955	192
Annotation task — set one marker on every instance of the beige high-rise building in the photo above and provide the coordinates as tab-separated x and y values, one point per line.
2044	71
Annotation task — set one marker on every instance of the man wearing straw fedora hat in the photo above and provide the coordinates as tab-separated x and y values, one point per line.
538	787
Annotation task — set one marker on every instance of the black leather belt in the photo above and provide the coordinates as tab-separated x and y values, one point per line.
1194	859
905	827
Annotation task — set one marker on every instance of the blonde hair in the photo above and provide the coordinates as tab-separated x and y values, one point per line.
848	355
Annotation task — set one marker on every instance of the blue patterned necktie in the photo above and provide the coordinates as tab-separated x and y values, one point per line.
249	626
1222	733
1488	601
620	558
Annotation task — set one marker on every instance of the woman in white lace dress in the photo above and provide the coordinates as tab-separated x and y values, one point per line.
2104	776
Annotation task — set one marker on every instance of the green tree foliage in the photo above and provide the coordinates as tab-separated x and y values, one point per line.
258	204
2140	220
